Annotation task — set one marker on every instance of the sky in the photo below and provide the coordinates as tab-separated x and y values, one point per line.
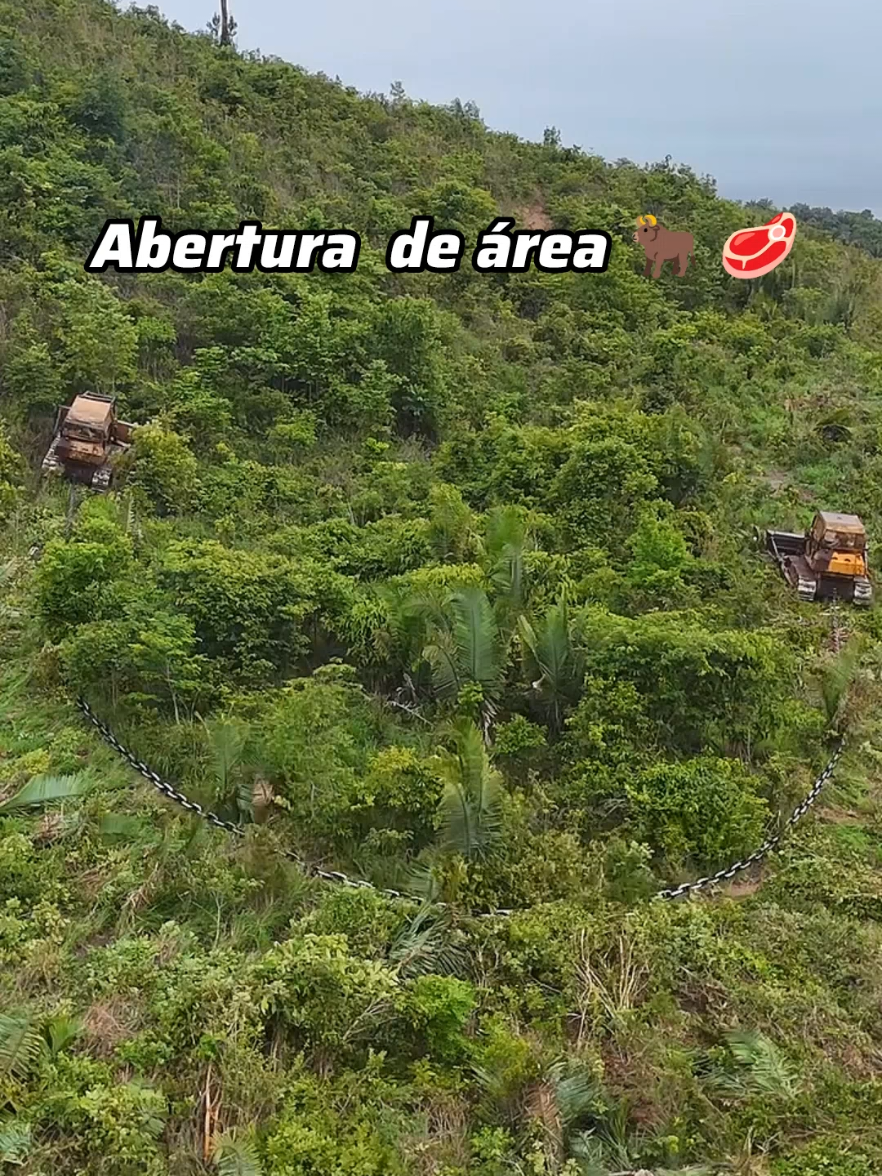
777	99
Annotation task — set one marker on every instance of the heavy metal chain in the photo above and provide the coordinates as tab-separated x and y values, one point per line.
769	844
339	877
193	806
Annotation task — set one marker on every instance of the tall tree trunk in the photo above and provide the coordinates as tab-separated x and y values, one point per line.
225	23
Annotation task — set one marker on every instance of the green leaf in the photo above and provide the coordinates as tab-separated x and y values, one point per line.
236	1155
42	790
21	1045
15	1142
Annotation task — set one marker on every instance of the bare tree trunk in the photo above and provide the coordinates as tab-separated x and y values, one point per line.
225	23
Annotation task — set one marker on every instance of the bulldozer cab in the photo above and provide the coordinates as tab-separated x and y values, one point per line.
837	544
85	429
89	418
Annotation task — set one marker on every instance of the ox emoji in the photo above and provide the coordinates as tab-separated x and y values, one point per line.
661	245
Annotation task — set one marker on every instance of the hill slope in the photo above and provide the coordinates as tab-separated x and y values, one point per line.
444	582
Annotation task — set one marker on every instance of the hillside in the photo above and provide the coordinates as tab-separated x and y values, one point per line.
447	584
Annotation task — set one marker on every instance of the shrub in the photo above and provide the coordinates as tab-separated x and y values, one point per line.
706	809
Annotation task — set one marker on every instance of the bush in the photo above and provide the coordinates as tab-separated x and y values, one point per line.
705	809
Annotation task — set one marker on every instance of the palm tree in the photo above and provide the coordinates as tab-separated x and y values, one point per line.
507	539
467	653
232	774
471	804
552	658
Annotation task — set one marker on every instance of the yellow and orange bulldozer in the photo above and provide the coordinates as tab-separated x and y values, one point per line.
831	560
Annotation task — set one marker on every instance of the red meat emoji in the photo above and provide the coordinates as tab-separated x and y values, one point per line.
750	253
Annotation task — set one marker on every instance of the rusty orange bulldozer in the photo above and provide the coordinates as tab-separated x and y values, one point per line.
88	436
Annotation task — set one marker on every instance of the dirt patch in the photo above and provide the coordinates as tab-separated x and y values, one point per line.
629	1074
534	217
840	816
108	1022
744	887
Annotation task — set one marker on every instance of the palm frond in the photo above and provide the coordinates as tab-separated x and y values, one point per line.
421	949
837	677
769	1072
760	1068
441	655
507	539
236	1155
15	1142
422	882
476	639
577	1095
471	804
21	1045
42	790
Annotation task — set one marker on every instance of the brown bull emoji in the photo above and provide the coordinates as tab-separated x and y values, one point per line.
661	245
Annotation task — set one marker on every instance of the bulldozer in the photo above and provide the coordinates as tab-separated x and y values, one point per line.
88	436
830	560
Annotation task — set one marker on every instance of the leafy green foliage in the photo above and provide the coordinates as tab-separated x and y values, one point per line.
21	1045
43	790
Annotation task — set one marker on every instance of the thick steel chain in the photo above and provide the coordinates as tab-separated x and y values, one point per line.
342	879
769	844
193	806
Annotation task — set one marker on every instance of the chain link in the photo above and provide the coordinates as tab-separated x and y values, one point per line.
769	844
342	879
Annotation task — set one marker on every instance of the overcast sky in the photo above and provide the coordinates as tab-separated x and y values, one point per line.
774	98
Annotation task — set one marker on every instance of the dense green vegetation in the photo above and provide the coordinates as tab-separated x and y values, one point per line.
854	228
445	582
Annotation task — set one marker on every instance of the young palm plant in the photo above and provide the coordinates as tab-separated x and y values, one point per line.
837	678
552	659
507	539
470	824
471	804
228	747
467	653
